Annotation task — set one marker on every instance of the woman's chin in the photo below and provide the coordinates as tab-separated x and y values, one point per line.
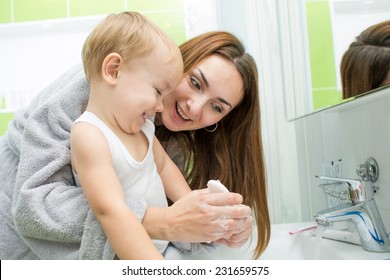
172	120
172	126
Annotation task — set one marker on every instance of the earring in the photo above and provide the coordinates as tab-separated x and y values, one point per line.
212	129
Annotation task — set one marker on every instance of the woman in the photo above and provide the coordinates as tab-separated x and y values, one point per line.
231	151
366	64
210	125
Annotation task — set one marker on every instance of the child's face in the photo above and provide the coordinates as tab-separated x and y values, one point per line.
140	89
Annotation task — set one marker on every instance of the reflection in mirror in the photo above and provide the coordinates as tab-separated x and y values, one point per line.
365	64
378	90
314	34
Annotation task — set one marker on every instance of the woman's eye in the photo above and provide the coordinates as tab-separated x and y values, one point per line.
217	108
194	83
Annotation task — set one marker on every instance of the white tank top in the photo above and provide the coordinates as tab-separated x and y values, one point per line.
138	178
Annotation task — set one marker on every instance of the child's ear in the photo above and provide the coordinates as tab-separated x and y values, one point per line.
110	67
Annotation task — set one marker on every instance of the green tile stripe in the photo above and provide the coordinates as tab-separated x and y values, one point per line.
151	5
93	7
39	9
168	14
5	118
323	70
28	10
326	97
5	11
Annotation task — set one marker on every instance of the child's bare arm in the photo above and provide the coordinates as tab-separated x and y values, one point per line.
91	159
174	183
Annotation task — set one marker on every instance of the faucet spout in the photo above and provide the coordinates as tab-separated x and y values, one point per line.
362	212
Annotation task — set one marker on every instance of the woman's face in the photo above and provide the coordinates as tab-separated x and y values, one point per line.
207	93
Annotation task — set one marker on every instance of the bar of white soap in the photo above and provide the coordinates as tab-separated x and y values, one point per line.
216	186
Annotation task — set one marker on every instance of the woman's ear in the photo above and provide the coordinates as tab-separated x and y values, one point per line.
110	67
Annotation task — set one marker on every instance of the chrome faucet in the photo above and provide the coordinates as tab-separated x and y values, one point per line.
362	211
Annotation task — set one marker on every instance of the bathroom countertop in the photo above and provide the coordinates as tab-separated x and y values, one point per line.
284	246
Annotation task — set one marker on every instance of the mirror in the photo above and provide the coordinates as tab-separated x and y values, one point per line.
313	37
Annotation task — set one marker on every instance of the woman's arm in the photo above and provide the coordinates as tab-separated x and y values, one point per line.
91	158
202	210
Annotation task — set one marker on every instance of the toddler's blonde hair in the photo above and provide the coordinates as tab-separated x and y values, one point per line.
132	36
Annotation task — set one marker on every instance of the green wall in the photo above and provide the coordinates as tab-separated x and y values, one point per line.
168	14
5	118
322	63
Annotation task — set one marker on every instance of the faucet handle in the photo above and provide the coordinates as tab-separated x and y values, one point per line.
369	171
359	190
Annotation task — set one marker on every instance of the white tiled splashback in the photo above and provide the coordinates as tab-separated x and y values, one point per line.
351	132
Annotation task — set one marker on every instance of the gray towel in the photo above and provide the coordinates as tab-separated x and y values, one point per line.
50	213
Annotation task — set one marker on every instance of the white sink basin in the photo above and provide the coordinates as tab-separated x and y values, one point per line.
283	246
305	246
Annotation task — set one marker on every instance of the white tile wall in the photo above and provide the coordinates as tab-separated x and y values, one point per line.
34	54
352	132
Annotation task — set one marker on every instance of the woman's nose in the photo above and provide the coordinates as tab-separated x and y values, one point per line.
195	105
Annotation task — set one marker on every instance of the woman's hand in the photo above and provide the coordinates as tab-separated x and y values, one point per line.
240	237
201	216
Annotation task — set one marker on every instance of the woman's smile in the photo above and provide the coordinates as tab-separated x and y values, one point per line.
181	113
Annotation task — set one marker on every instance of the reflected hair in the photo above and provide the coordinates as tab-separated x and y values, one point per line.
365	65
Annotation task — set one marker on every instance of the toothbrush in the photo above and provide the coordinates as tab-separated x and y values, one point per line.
302	229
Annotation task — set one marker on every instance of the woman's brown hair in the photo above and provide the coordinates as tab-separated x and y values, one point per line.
366	63
233	153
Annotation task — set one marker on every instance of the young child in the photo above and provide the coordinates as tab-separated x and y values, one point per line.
130	65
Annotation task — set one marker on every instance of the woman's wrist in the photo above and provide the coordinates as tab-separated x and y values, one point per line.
157	224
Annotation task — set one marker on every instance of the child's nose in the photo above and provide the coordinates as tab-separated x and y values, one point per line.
159	105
